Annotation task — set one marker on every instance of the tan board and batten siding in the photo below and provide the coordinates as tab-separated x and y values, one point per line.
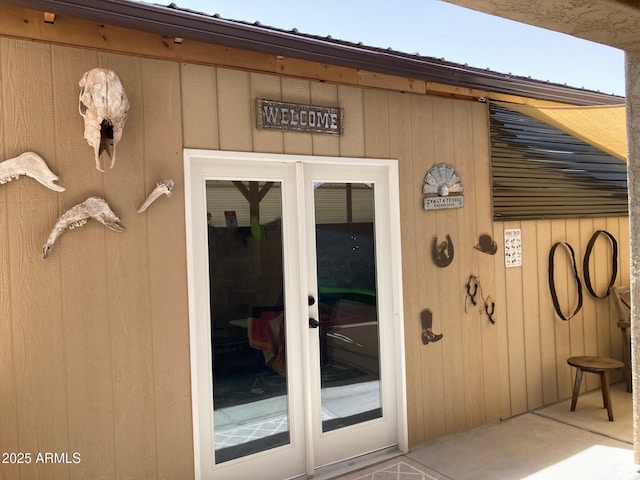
94	340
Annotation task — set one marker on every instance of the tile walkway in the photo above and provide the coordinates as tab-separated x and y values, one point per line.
552	443
549	444
395	470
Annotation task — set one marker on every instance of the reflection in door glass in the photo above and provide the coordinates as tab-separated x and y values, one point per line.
247	317
349	352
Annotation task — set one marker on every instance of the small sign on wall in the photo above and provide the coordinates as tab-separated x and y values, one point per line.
442	188
512	247
296	117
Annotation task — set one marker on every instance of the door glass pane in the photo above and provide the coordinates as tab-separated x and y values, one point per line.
247	317
349	352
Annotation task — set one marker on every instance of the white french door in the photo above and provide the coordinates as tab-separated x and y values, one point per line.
295	312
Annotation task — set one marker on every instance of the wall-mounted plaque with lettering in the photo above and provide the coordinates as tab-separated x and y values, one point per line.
276	115
442	188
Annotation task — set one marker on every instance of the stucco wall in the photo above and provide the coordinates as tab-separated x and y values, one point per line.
94	340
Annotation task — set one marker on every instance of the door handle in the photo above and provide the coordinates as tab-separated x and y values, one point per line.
313	323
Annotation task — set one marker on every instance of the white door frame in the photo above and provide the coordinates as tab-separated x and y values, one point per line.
195	162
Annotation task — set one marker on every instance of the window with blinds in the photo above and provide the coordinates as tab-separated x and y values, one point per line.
540	172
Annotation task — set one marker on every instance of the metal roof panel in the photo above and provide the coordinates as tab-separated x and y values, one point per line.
171	20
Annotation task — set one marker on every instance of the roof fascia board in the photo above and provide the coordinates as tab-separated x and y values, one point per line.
175	22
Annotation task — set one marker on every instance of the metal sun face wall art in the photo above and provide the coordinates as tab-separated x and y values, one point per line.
104	105
442	188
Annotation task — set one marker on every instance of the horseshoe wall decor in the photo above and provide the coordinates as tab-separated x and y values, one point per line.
442	252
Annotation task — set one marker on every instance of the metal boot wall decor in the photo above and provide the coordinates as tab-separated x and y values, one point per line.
426	319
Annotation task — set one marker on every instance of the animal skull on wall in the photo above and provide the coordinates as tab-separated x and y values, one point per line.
104	105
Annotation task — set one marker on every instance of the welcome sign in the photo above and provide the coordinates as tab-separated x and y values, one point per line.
272	114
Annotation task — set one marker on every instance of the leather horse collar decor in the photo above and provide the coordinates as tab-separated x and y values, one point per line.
614	263
552	282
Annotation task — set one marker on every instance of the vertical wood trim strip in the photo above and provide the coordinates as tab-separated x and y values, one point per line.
576	324
590	340
531	315
327	95
199	107
129	291
85	303
428	371
602	271
566	291
503	328
486	263
516	338
39	337
452	309
234	110
352	139
401	148
167	270
297	91
265	86
9	404
472	318
547	315
613	226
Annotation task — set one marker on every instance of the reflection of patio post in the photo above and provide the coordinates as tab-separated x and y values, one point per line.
633	172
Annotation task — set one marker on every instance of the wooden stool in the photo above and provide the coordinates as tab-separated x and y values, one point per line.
599	365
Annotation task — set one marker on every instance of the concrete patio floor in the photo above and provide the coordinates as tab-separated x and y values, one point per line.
550	443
